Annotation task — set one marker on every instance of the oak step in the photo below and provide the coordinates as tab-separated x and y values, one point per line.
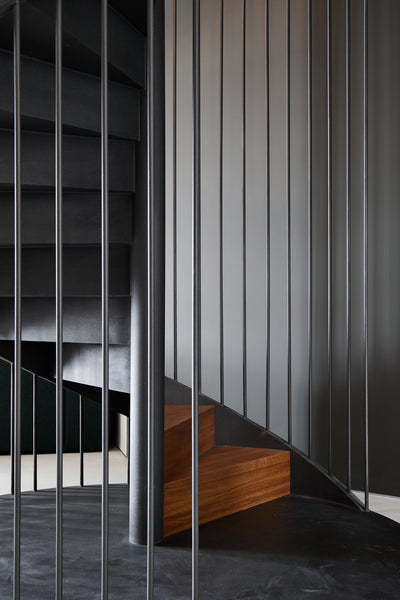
231	478
178	436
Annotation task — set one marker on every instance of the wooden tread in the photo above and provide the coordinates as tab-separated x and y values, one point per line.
231	478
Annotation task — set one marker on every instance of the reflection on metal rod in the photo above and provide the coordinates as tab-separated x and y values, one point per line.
365	252
104	298
150	302
175	276
310	230
289	244
221	209
244	208
268	213
59	314
17	303
348	246
329	223
195	298
81	459
34	448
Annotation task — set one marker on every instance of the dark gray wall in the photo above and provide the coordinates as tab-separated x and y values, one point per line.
384	251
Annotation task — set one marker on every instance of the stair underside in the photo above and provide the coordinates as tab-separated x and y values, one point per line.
231	478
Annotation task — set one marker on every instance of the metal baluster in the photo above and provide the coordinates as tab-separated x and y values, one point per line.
195	298
12	425
221	209
310	229
244	208
329	221
81	457
59	313
17	302
268	224
34	424
174	122
348	245
150	302
289	245
105	300
365	249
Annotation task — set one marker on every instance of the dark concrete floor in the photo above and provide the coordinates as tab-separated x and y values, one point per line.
292	548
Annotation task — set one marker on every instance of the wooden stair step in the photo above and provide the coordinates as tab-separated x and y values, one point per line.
231	479
178	436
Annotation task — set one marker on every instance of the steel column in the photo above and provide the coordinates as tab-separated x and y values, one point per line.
105	299
196	258
244	210
175	253
17	302
81	449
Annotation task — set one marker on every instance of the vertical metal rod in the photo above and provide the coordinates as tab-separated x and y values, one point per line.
17	302
150	301
244	274
195	298
34	422
268	223
289	245
221	209
12	425
105	299
329	219
175	258
365	251
310	230
59	308
348	245
81	456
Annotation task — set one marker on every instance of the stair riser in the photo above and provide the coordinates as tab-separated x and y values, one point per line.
224	493
81	162
81	320
178	442
81	218
80	110
81	271
81	20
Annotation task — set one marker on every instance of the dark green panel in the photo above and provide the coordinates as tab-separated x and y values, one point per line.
4	407
26	413
71	422
45	416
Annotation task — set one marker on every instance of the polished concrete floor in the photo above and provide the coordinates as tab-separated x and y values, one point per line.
292	548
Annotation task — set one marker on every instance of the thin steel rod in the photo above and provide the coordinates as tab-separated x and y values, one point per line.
244	218
104	299
34	423
289	242
221	210
348	245
196	256
268	217
310	230
12	425
17	302
174	234
59	306
365	252
81	456
150	302
329	222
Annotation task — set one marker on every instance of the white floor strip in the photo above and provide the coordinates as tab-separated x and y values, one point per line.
47	470
388	506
